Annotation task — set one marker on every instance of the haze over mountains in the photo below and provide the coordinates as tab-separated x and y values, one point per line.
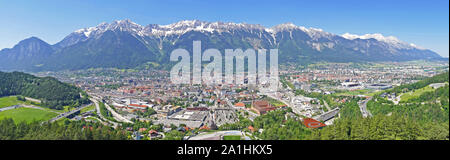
125	44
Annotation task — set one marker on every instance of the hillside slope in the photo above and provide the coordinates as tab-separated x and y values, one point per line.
53	93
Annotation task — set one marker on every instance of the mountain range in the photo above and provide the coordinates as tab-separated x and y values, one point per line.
125	44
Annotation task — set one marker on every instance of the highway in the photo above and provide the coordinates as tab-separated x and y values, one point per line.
327	115
66	113
363	107
279	99
116	115
97	107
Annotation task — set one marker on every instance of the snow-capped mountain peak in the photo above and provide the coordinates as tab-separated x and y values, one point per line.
387	39
118	43
86	31
184	24
125	24
122	25
314	33
283	27
377	36
182	27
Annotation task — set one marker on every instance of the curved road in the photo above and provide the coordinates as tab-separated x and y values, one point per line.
97	107
363	107
116	115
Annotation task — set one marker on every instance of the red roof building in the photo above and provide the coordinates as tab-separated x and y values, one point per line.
251	128
152	131
240	104
138	107
142	129
262	107
204	127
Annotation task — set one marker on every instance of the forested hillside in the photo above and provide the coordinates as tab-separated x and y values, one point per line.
53	93
422	117
441	78
80	130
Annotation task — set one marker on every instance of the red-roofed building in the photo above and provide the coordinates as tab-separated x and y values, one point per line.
262	107
251	128
142	129
154	134
152	131
222	102
204	127
239	105
142	108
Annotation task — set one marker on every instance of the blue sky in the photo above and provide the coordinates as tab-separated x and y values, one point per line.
424	23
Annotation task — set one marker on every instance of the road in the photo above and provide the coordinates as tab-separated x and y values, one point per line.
62	115
251	115
10	107
100	114
327	115
218	135
279	99
99	120
288	104
363	107
116	115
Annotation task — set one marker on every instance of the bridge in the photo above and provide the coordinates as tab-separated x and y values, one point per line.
69	114
328	115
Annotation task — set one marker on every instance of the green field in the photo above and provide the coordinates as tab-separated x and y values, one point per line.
105	113
355	92
88	108
9	101
414	94
27	115
274	102
232	137
12	100
61	121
